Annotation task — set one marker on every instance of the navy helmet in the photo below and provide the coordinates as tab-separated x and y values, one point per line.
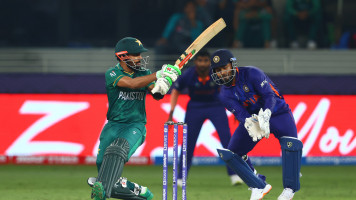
221	58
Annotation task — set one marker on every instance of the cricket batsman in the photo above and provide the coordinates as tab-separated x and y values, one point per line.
126	86
256	102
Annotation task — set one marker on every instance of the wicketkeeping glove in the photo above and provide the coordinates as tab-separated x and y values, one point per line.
263	120
253	128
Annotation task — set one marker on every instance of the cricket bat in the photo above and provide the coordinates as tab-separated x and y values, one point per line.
196	46
200	42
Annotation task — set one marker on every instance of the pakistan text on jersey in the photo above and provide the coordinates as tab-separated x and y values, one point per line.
131	95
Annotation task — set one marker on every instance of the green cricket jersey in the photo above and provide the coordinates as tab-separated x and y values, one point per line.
125	105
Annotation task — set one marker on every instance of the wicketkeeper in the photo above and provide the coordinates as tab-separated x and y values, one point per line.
256	102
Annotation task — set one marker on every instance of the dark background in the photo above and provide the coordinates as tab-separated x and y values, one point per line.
94	23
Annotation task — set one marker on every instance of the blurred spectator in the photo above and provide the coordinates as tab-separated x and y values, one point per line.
181	30
346	41
252	24
303	15
205	13
271	9
225	9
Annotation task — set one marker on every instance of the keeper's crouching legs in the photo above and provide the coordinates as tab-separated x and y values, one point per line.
258	186
291	162
241	168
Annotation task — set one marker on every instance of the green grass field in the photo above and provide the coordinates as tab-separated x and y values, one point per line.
205	182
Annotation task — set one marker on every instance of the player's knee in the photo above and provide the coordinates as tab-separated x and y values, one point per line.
119	147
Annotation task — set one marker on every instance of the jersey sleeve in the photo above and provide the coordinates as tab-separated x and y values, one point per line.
113	76
235	108
148	72
260	82
181	83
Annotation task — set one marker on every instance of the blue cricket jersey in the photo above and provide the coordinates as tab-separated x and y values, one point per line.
253	90
199	90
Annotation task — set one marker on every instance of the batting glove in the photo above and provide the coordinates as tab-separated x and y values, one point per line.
170	72
162	86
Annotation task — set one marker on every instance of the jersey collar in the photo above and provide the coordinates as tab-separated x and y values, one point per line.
122	69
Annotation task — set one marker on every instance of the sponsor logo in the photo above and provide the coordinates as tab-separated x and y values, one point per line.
112	74
320	127
263	83
237	96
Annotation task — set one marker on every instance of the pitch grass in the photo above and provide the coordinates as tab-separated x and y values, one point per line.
204	183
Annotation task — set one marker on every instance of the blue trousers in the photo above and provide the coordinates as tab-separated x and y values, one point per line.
280	125
196	114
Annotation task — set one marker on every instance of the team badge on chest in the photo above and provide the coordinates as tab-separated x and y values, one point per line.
246	89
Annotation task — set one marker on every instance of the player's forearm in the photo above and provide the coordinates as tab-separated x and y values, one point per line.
138	82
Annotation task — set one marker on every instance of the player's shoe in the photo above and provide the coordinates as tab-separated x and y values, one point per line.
236	180
287	194
145	193
91	181
258	194
98	191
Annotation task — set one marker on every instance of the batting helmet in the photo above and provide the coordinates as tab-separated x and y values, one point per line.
219	59
130	45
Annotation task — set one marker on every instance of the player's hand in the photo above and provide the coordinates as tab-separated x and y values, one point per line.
253	128
170	72
162	86
263	120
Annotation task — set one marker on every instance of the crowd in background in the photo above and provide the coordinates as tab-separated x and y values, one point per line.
169	26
